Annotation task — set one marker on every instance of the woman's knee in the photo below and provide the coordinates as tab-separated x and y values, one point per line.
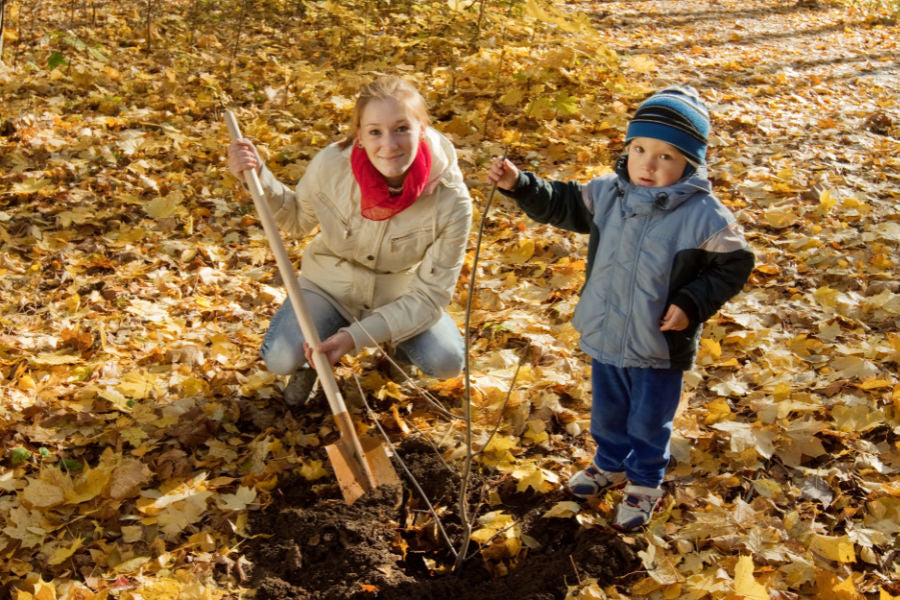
282	357
442	363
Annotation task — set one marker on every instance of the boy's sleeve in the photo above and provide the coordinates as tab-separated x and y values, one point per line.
726	265
561	204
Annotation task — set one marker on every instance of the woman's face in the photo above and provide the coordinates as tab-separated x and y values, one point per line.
389	132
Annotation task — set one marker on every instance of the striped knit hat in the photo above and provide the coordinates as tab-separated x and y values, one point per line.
676	116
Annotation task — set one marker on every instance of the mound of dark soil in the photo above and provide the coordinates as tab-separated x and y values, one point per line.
387	546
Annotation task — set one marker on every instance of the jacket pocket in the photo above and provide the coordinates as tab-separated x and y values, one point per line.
405	250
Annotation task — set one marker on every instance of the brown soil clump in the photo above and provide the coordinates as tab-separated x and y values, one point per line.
387	546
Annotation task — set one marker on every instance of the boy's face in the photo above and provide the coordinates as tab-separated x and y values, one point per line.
654	163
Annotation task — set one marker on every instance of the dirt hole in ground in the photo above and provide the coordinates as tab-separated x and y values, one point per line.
310	545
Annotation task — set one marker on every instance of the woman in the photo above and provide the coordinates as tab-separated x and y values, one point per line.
394	214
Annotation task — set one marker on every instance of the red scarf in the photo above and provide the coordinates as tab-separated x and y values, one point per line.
378	203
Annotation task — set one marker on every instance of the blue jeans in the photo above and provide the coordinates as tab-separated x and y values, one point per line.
438	351
631	419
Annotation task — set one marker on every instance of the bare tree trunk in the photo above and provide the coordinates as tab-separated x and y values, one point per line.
365	45
477	35
149	25
238	28
2	22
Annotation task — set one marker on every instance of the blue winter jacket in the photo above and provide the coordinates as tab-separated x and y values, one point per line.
648	248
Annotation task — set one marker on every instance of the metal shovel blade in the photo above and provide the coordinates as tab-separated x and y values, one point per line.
350	469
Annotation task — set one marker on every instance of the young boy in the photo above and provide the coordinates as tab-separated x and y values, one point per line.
663	256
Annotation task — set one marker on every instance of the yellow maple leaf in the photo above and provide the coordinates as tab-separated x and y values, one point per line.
313	470
717	410
745	584
137	385
587	589
536	432
512	97
43	494
529	475
520	253
831	587
562	510
63	552
492	523
222	350
498	450
641	63
660	565
710	348
132	533
88	486
131	565
779	217
781	392
460	5
47	359
875	384
836	548
237	501
178	516
826	296
30	186
43	590
391	390
160	208
117	399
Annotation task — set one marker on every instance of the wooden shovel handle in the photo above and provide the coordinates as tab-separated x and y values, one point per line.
298	303
295	293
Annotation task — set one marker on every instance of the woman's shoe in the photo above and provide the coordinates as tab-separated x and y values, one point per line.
300	386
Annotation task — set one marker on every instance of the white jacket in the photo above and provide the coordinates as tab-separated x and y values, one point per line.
395	276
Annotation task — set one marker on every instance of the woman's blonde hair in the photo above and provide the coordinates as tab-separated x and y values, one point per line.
387	87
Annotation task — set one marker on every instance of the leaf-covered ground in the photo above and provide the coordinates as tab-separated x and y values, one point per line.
146	451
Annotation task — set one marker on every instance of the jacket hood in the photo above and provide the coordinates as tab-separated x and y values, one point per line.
642	199
444	166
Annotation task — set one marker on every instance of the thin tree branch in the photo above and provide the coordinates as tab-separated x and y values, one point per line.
431	399
467	470
499	422
406	470
2	22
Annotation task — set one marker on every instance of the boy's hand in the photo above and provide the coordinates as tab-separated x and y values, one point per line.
675	320
504	174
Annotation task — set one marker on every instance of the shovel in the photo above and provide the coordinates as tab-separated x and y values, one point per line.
360	465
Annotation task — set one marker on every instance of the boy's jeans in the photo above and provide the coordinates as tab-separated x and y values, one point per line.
437	352
631	419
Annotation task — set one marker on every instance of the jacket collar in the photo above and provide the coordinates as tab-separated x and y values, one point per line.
640	199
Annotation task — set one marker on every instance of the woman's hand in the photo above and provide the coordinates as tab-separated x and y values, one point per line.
504	174
242	156
675	320
333	348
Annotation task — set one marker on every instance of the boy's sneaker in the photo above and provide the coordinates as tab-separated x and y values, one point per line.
637	507
593	481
